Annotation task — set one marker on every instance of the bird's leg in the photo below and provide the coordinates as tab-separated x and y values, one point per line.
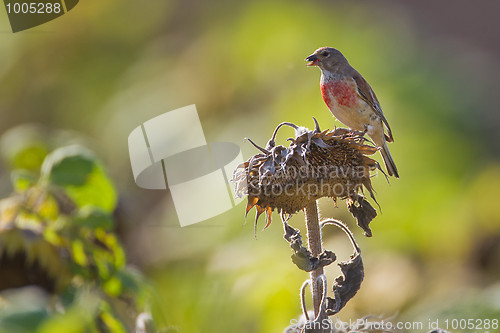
359	133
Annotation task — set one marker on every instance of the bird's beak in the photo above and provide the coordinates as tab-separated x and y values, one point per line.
312	60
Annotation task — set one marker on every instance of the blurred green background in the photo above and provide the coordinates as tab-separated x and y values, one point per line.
104	68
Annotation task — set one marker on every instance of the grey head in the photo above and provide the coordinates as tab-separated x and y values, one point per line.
329	59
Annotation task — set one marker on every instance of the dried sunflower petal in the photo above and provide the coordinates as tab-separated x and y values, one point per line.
315	164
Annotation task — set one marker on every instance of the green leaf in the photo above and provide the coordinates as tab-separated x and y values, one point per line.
23	322
130	280
22	180
79	173
69	166
73	321
29	157
93	218
98	192
117	255
113	286
112	323
79	255
24	147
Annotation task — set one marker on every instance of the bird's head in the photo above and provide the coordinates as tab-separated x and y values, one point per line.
327	58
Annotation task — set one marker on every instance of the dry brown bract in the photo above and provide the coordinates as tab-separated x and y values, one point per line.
316	164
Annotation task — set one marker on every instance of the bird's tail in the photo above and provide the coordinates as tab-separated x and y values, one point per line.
388	161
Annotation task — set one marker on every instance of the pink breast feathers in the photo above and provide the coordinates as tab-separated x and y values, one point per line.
343	92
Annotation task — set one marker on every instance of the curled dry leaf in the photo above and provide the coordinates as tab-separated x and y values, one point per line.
363	212
301	256
348	284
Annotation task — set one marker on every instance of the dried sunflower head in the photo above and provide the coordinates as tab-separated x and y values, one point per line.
316	164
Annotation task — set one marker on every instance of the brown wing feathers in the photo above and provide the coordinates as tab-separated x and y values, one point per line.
367	94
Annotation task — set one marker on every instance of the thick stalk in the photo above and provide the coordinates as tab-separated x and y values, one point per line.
316	247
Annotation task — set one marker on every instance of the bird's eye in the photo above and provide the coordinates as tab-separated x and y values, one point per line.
324	54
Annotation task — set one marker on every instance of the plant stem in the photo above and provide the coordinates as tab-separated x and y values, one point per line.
315	247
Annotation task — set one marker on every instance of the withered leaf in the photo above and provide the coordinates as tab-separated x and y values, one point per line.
348	284
301	256
363	212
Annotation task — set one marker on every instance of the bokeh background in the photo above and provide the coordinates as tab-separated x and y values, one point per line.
104	68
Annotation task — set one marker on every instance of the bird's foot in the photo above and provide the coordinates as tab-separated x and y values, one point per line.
358	133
